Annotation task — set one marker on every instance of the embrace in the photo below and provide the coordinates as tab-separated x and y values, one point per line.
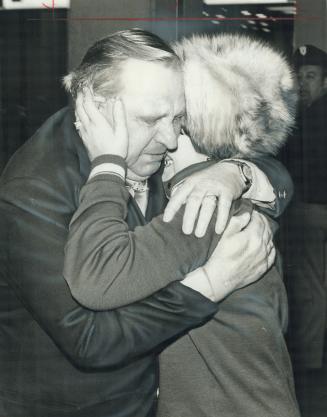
103	279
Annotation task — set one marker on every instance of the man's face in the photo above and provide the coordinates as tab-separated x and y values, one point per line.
153	97
311	83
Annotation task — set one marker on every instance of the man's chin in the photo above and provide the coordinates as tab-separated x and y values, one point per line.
305	99
144	171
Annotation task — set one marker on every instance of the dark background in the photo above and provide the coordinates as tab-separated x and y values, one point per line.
33	57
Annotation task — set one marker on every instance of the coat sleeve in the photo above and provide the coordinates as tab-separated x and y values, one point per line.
34	223
281	182
107	265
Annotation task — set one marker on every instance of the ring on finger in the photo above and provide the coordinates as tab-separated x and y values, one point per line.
211	197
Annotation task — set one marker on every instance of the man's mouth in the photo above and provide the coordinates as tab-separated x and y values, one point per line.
157	155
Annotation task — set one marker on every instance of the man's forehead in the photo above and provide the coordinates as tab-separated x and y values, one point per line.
147	109
135	64
137	74
317	69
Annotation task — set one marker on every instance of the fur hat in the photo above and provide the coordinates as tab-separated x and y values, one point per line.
240	95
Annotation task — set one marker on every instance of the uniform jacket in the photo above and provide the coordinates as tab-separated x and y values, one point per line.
306	153
307	234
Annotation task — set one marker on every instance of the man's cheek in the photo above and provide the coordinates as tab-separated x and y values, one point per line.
136	147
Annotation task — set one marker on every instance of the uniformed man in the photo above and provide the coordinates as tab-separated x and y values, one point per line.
306	154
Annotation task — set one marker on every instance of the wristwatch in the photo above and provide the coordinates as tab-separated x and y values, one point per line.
244	170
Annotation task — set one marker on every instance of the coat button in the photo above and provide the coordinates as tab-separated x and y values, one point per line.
282	194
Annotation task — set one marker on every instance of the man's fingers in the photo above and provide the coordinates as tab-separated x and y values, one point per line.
238	223
193	204
271	257
270	246
267	234
209	205
258	226
224	206
177	200
90	108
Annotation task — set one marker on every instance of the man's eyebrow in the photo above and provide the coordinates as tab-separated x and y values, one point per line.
159	115
152	114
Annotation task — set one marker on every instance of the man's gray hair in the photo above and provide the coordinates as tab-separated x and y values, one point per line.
101	65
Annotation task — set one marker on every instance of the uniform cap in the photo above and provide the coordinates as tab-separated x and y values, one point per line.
309	55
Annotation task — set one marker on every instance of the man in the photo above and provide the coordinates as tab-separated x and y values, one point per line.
58	358
306	152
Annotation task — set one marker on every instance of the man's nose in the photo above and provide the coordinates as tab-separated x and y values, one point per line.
168	137
301	81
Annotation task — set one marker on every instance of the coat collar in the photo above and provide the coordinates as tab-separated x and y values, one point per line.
75	142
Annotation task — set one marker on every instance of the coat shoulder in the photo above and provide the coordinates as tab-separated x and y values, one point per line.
50	159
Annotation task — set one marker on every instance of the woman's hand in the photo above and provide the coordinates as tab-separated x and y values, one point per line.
103	130
204	192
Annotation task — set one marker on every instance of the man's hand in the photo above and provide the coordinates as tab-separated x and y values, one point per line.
243	255
202	193
104	131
